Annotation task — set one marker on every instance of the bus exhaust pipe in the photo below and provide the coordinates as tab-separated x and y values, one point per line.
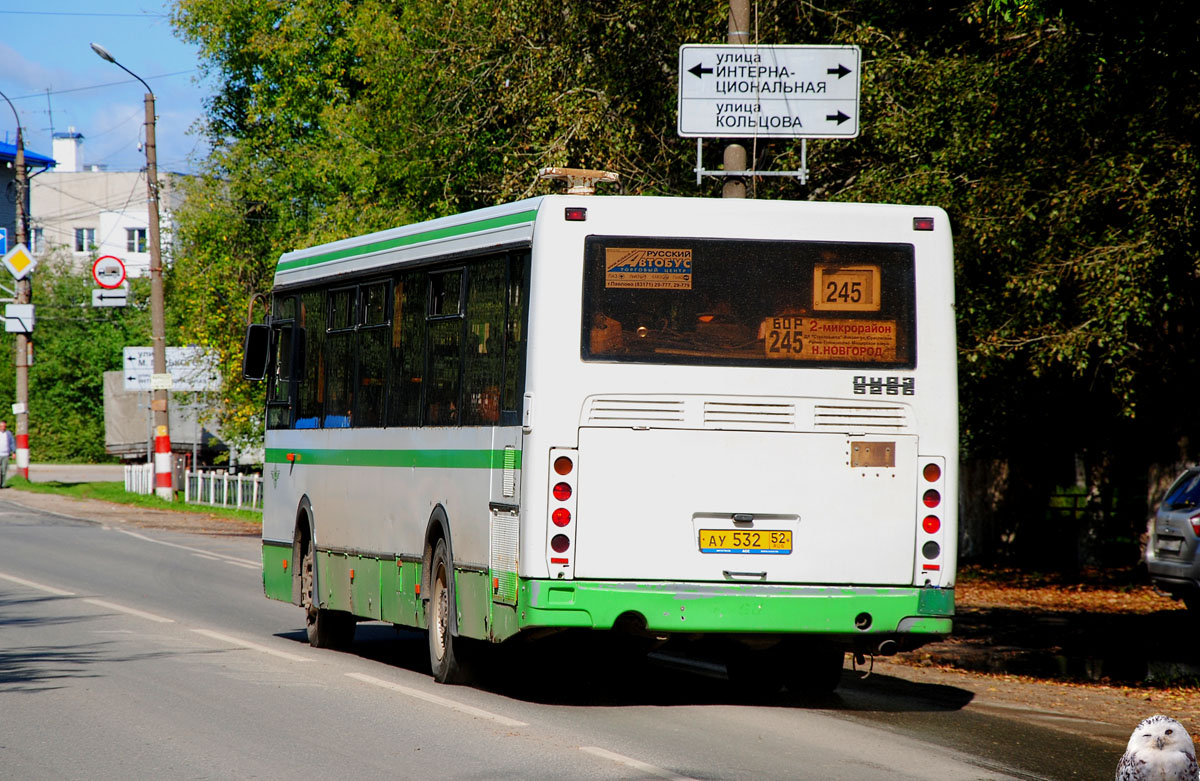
887	647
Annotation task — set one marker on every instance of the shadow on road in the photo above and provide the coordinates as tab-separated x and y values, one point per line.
589	670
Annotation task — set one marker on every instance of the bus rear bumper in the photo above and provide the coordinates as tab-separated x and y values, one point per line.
741	608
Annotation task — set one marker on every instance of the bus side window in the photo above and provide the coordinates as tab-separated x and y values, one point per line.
444	327
373	333
514	340
407	361
279	396
339	352
483	358
310	373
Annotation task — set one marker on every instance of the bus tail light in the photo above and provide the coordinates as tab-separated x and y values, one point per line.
930	542
561	502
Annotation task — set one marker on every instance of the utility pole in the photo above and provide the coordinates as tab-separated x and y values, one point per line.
158	403
24	296
735	154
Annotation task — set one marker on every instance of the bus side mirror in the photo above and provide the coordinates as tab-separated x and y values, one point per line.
256	351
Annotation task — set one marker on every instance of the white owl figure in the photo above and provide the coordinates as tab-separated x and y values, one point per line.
1160	749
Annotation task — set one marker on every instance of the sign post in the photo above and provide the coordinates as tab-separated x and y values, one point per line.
748	91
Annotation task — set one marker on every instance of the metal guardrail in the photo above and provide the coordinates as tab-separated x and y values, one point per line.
223	489
217	488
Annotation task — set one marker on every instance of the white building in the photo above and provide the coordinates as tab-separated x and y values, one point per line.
94	212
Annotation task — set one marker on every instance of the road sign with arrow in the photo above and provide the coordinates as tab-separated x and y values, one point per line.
768	91
105	297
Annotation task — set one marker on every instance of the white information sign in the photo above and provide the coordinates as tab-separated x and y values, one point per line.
190	369
104	297
18	318
768	91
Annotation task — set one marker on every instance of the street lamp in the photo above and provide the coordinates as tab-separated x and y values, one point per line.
160	380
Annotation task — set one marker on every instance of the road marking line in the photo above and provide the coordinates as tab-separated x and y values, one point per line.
251	646
633	763
436	700
199	551
48	589
131	611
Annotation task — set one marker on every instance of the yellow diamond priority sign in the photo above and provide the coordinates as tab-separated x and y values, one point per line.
19	261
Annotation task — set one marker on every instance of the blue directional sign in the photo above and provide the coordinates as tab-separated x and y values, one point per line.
3	241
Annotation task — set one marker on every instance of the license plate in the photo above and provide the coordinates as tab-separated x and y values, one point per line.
741	541
1170	544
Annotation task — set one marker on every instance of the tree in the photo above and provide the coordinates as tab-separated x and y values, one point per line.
1059	137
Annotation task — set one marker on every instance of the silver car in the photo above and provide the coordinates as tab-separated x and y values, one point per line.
1173	553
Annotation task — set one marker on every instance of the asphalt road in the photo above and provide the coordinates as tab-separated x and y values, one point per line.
128	653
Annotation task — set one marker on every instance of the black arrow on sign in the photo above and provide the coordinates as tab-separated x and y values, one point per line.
699	69
840	70
838	117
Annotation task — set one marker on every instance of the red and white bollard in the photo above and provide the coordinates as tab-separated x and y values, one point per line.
162	464
23	455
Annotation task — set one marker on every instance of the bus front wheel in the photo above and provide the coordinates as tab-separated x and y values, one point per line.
326	628
445	650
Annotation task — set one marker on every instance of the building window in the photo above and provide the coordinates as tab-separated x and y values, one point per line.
135	239
85	239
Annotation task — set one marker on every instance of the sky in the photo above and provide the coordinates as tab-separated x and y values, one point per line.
56	82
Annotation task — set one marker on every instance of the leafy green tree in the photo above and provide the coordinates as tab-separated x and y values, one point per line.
1059	137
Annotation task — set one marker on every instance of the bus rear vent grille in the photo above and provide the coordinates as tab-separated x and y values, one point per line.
634	411
743	415
852	417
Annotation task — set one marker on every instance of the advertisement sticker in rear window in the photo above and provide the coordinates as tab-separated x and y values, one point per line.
648	269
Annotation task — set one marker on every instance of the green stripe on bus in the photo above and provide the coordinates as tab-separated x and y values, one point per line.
734	607
424	459
405	241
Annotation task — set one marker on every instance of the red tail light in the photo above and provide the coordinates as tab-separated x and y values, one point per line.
1195	519
561	516
932	498
562	492
931	524
560	543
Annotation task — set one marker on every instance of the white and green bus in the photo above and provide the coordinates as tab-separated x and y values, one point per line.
668	417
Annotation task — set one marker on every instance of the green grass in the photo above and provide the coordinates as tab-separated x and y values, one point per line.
115	492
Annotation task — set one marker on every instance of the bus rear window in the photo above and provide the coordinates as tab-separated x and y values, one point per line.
748	303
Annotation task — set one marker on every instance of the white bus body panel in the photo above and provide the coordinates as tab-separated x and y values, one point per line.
644	496
560	383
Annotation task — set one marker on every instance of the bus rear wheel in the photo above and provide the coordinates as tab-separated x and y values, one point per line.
445	650
326	628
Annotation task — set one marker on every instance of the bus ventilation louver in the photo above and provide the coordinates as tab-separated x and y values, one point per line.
740	415
850	418
635	411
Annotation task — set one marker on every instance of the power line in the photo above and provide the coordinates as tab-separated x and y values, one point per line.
100	86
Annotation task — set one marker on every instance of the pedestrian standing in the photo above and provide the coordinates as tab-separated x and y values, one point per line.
8	446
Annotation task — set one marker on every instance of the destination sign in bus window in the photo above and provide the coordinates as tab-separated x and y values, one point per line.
846	288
